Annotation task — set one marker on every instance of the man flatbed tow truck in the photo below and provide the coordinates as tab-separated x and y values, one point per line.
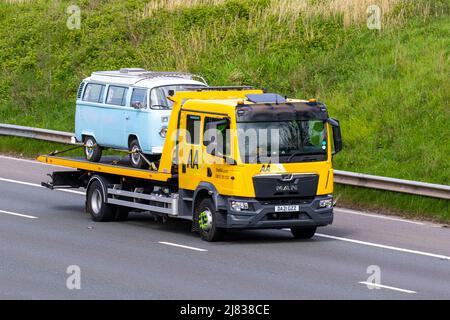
233	158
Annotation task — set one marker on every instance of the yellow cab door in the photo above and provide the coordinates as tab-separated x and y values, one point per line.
217	146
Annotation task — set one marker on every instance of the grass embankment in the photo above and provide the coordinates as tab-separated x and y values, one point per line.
390	87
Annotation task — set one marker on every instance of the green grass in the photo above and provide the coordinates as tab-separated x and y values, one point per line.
389	88
408	206
28	148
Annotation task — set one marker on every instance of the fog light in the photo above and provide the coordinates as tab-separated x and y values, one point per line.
327	203
239	205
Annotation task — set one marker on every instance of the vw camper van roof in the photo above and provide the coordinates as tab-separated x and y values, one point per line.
132	76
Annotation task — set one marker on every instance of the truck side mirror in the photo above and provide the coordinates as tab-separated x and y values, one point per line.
337	136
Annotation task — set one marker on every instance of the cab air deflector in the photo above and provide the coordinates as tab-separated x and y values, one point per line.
284	112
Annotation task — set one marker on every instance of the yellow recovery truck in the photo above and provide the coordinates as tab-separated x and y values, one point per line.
233	158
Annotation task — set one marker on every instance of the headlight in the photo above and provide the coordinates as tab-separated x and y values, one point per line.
327	203
163	132
239	205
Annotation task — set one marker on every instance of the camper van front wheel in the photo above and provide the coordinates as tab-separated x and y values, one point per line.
92	151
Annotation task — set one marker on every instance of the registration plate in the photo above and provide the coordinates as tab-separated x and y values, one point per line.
292	208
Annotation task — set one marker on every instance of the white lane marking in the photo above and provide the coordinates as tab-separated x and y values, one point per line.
21	182
181	246
377	216
18	214
72	191
371	244
39	186
374	285
29	161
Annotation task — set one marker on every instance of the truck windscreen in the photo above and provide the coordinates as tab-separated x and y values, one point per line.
282	141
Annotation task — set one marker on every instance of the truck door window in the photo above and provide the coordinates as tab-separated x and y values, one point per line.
139	95
219	134
193	129
116	95
93	92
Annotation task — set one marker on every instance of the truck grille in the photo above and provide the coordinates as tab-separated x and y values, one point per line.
287	216
285	186
286	201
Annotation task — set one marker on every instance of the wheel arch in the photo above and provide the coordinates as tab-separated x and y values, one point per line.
133	136
208	190
85	134
103	182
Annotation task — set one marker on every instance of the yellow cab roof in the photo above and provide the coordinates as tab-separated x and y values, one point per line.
218	102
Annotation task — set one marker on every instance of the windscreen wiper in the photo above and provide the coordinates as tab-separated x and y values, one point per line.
293	155
299	153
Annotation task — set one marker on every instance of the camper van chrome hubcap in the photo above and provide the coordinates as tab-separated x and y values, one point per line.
135	156
89	148
205	219
96	201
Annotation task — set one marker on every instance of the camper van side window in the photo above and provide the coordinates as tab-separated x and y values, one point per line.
139	95
93	92
116	95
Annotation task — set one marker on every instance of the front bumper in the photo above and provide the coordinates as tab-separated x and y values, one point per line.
262	215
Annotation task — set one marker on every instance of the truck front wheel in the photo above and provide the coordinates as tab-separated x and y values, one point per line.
207	221
96	206
303	233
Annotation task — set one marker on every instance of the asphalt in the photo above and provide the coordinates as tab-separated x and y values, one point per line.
42	232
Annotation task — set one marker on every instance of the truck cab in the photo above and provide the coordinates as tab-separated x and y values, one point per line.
260	160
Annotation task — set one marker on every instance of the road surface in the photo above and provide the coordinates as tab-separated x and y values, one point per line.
43	232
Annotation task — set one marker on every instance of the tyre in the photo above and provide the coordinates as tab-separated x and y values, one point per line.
122	213
96	206
135	158
303	233
92	151
206	218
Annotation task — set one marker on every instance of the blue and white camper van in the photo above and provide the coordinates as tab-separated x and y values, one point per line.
127	109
